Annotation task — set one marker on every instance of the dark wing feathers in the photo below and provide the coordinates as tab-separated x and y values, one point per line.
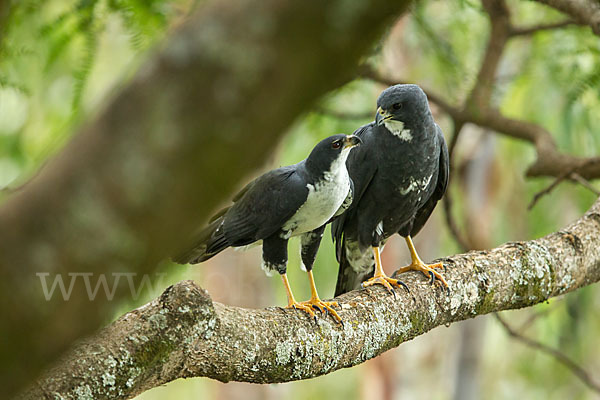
235	198
259	210
272	200
209	242
424	212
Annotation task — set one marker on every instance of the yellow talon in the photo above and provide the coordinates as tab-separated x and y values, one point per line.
418	265
314	303
380	278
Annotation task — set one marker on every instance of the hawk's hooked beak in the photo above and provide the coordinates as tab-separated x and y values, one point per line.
351	141
382	116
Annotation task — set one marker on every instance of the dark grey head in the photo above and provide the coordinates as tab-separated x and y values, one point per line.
329	150
403	103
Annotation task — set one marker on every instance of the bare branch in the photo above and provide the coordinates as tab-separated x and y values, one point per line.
530	30
481	93
369	73
575	177
478	110
568	174
532	318
586	12
556	354
183	333
548	189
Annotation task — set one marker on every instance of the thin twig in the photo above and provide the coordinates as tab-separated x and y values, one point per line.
584	182
585	12
570	174
548	189
530	30
533	317
579	372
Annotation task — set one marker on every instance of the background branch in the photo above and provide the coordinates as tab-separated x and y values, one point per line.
586	12
530	30
556	354
183	333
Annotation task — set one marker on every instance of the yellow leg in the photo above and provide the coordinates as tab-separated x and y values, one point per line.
418	265
292	303
380	278
316	302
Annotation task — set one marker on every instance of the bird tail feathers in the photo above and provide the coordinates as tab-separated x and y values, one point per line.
208	243
348	278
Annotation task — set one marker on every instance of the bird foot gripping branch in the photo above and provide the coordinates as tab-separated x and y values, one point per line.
380	278
324	307
315	303
426	269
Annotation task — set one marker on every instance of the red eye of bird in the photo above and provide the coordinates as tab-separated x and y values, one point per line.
336	145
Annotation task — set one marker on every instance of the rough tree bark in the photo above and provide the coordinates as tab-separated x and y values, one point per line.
183	333
149	168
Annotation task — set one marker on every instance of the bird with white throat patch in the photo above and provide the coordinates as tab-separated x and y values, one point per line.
399	173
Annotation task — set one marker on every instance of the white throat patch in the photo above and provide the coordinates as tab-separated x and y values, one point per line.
397	129
324	199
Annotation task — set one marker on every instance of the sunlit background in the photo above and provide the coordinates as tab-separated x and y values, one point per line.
61	59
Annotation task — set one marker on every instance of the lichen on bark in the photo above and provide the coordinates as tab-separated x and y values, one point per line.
183	333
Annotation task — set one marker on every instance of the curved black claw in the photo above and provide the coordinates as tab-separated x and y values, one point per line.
432	278
404	285
317	308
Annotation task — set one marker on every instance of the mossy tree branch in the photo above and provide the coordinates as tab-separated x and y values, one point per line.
184	334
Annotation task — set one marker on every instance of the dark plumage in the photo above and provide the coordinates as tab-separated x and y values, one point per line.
399	173
289	201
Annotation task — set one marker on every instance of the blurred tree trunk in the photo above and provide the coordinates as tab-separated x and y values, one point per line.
148	168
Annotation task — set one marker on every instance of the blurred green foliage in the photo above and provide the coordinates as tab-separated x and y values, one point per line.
60	59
